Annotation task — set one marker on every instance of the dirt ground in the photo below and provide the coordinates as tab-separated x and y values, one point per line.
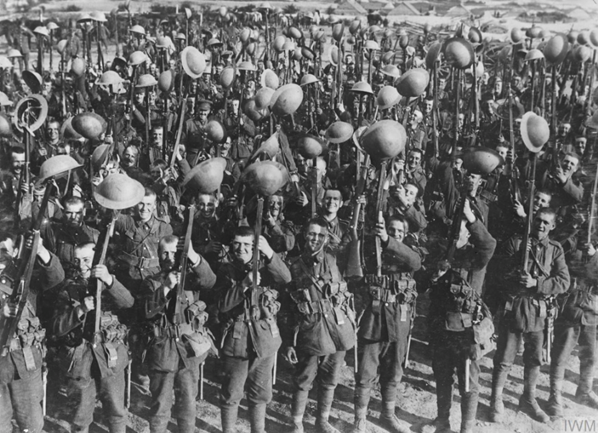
416	404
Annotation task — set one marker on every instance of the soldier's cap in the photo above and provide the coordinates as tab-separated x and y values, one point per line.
580	139
204	105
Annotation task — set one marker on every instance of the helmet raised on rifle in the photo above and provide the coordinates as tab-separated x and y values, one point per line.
413	82
270	79
383	140
309	146
215	131
387	97
5	128
194	62
556	49
206	177
166	81
339	132
118	191
481	160
89	125
458	53
265	177
286	99
534	131
228	77
56	166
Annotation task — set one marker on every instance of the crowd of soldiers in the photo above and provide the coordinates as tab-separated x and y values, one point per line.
263	194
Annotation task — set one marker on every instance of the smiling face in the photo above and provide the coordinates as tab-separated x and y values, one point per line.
242	247
206	206
569	164
130	157
146	207
333	200
84	260
167	255
53	132
316	238
543	224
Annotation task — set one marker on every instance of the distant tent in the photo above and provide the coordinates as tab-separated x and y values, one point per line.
350	7
458	12
579	14
404	8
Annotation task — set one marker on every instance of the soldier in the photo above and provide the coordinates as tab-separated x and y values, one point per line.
10	180
21	388
47	149
64	235
177	344
94	365
194	134
576	323
385	325
455	311
559	180
525	311
323	324
250	335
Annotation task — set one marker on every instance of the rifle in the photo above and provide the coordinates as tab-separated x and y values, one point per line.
592	207
22	279
99	260
182	265
178	135
354	268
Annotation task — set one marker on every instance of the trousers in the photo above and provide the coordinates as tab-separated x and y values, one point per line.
183	386
326	368
22	398
254	372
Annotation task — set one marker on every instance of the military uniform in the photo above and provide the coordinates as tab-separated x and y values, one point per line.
455	312
576	323
524	313
94	365
61	239
176	345
21	388
384	328
323	325
250	338
138	248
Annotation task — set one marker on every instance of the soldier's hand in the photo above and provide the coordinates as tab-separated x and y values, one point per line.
25	188
97	179
290	355
302	199
381	231
9	309
560	175
527	280
589	249
42	253
172	279
213	247
519	210
88	304
193	256
248	280
265	248
467	212
101	273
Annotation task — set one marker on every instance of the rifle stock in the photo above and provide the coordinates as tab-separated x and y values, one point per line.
178	314
354	265
101	259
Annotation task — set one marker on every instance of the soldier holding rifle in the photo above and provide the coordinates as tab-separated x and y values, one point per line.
386	324
21	387
321	327
177	345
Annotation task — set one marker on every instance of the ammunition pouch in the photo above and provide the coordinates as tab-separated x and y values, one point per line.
462	299
29	336
390	290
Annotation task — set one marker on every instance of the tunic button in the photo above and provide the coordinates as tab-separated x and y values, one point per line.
386	304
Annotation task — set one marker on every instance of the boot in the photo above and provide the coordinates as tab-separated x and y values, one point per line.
362	399
527	402
497	408
587	399
469	408
298	410
325	398
228	417
555	402
444	397
257	418
389	421
584	394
